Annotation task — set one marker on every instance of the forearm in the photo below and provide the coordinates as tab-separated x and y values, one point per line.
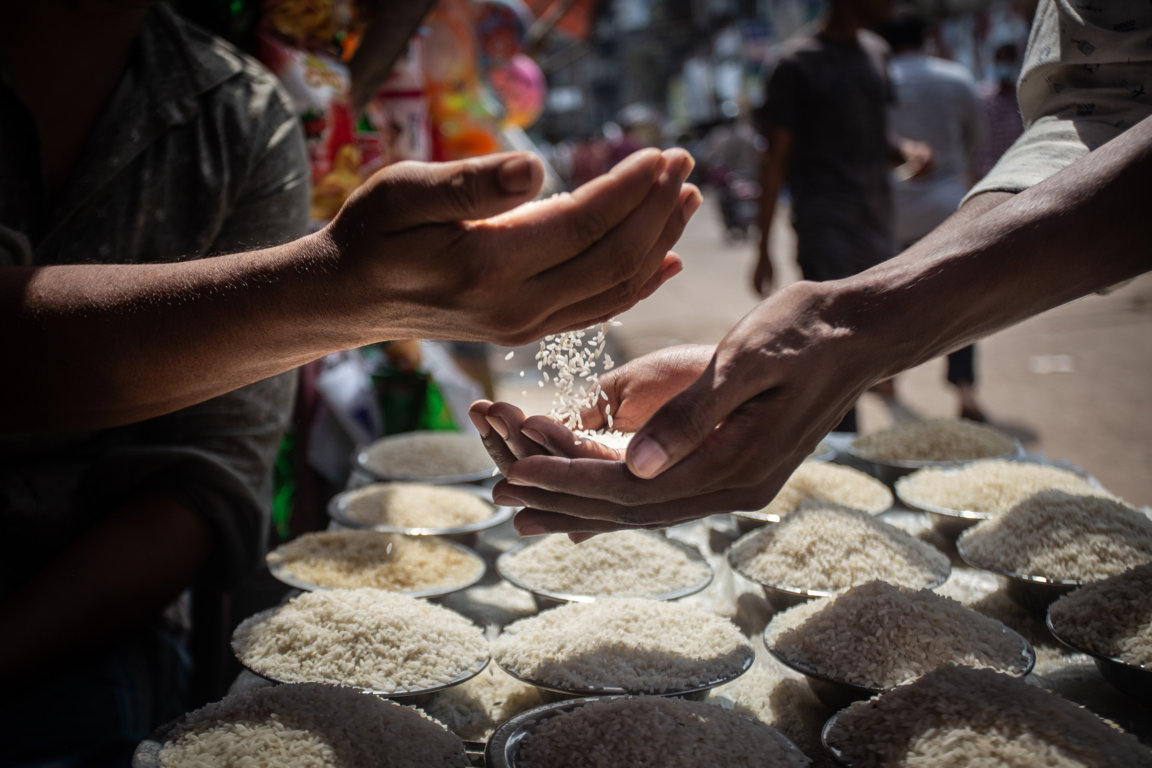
108	344
116	577
1083	229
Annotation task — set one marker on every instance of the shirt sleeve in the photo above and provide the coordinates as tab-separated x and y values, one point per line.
781	97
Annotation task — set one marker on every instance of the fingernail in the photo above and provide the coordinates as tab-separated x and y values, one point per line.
529	529
691	205
534	436
636	158
646	458
685	167
515	175
481	424
507	500
498	425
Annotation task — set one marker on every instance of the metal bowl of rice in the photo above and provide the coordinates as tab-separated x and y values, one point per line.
1034	593
892	453
460	512
694	739
1132	679
436	457
820	481
547	596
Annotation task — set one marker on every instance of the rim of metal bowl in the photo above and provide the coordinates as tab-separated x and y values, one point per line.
1040	581
278	573
613	690
971	514
572	597
360	458
461	677
1063	639
503	746
805	593
337	510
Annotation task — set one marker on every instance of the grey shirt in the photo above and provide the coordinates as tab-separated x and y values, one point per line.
832	97
198	153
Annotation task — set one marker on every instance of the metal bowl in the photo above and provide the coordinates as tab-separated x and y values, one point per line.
465	534
278	571
416	696
546	598
365	463
1131	679
837	693
503	747
1034	593
695	692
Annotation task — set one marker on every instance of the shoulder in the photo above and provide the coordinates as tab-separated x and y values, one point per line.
873	44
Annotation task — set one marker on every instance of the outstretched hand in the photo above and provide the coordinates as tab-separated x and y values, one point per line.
456	250
715	433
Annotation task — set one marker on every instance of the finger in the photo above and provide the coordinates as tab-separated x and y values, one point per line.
567	285
558	440
501	454
538	236
535	522
413	194
508	420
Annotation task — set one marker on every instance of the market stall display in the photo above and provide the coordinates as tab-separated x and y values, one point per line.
624	645
417	566
876	636
618	564
308	724
822	481
363	638
823	549
988	717
638	730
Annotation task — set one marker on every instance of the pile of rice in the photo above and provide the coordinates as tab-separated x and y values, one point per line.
1110	618
833	483
620	564
363	638
934	440
1062	536
988	487
829	548
414	505
310	726
877	636
651	731
963	716
431	454
376	559
474	709
635	644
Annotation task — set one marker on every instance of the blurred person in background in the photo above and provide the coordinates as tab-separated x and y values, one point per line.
1002	121
826	125
938	103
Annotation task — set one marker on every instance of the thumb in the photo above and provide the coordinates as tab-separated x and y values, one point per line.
412	193
681	425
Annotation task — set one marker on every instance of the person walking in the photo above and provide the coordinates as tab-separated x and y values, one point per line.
938	102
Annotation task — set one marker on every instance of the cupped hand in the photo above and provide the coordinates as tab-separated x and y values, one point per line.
457	250
777	384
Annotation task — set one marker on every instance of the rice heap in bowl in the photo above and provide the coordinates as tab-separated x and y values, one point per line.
653	731
634	644
310	726
934	440
363	638
427	455
826	548
826	482
475	708
1061	536
414	505
620	564
878	636
1110	618
962	716
357	558
987	488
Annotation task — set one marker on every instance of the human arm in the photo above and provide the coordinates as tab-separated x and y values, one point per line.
784	375
421	250
773	169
